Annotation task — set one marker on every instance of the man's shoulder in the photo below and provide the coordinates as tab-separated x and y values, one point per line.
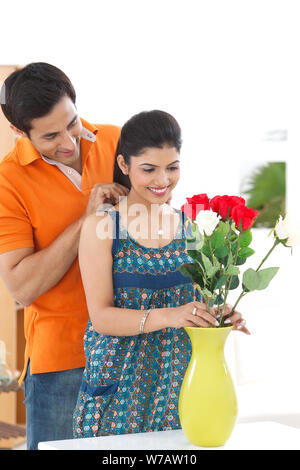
9	157
105	133
9	161
108	130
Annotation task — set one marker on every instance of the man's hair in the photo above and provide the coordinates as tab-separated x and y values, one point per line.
32	92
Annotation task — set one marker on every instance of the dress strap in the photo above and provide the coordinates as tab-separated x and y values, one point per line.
115	246
186	227
182	221
115	215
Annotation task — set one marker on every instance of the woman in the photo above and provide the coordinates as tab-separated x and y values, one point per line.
136	348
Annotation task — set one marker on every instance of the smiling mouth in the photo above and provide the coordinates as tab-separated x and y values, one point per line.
68	154
159	191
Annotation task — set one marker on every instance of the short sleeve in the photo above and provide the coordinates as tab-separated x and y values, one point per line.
15	227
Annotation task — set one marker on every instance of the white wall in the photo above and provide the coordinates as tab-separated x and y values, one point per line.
227	70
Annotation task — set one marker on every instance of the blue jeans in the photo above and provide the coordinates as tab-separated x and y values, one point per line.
50	400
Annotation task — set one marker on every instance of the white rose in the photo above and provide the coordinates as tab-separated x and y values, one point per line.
288	228
207	221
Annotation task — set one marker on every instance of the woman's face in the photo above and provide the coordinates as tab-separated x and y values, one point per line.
153	174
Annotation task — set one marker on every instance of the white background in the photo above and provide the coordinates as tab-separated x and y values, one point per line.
229	72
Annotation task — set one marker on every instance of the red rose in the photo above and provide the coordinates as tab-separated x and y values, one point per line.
195	204
243	215
236	201
220	205
223	205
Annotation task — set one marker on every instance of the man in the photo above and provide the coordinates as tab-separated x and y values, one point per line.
59	172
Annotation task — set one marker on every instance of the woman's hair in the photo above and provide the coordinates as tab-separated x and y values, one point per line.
32	92
145	130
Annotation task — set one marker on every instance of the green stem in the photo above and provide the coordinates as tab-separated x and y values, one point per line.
223	309
268	254
220	293
210	247
243	293
228	284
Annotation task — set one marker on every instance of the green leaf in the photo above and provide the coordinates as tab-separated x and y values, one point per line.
253	280
211	272
250	279
206	250
234	282
184	270
223	228
209	268
217	239
220	282
246	252
193	270
195	242
219	300
232	237
206	261
234	247
189	269
221	252
196	255
216	262
265	276
245	238
190	240
228	259
207	292
232	270
240	261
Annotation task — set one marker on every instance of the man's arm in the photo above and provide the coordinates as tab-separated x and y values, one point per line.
28	274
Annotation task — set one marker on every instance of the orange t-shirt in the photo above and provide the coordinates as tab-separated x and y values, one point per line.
37	203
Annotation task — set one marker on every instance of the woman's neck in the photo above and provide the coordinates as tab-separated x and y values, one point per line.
134	199
154	225
127	204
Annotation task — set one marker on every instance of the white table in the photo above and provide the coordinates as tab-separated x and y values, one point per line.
264	435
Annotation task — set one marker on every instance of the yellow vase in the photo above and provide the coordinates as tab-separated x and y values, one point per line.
207	401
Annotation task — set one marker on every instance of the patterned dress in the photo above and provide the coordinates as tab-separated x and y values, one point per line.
132	383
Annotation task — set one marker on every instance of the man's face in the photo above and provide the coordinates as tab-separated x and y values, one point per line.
57	135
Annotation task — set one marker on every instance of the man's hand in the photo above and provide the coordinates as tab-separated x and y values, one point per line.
104	193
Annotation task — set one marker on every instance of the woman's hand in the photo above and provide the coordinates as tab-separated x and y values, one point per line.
191	314
236	319
198	314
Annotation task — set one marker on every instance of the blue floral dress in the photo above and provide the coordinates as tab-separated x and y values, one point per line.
132	383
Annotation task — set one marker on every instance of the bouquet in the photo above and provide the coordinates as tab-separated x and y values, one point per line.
218	241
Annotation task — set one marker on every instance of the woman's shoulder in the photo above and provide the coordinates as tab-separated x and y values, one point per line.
99	225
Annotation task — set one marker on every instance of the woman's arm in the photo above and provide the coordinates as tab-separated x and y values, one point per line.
95	260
